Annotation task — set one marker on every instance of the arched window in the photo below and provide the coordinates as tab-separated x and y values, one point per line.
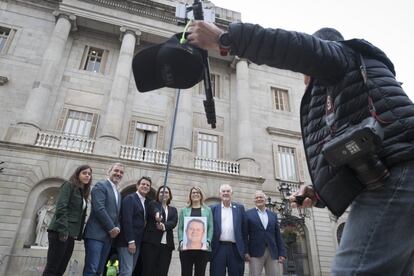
294	235
133	188
211	201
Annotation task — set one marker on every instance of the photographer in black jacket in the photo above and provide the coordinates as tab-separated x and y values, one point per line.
351	96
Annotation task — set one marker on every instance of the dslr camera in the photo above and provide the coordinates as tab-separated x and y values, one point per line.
356	147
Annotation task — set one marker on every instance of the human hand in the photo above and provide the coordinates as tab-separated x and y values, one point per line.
306	194
132	248
281	259
204	35
160	226
158	217
246	257
114	232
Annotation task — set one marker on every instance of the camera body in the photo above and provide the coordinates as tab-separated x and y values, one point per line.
357	147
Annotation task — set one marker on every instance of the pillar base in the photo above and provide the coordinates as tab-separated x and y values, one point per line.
22	134
182	157
248	167
107	146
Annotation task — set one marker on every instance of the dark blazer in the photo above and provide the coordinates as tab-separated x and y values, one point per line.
239	225
104	212
259	237
132	220
70	216
152	234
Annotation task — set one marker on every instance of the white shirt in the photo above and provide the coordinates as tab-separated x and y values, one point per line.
115	191
263	217
164	235
227	230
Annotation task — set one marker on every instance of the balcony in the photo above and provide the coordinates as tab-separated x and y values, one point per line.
144	154
214	165
66	142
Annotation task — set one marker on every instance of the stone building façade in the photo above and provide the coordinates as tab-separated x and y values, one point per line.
68	97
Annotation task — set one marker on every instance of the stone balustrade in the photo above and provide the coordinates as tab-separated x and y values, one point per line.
144	154
215	165
65	142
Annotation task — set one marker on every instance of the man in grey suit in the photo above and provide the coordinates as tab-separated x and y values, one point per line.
103	223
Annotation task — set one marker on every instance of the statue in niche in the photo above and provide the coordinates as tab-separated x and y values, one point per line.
44	217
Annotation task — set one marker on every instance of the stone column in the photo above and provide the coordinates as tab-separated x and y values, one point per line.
244	127
108	143
36	106
182	154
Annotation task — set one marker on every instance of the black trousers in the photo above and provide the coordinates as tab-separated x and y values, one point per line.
196	258
156	259
58	254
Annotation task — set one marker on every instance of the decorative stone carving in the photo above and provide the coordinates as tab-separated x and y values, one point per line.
44	217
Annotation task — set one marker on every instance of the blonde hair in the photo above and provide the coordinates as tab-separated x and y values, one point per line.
190	202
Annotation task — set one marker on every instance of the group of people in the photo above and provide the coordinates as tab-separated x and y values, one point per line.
347	81
224	234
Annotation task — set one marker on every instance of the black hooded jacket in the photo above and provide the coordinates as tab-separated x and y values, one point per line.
334	66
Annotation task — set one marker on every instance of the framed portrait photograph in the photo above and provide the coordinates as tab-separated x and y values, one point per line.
195	233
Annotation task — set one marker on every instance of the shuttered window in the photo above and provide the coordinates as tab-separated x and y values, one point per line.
78	123
215	86
281	99
287	161
208	146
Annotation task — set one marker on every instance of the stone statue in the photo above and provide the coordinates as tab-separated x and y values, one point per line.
44	217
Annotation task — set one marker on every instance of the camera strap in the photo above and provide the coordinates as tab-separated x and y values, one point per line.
371	106
330	103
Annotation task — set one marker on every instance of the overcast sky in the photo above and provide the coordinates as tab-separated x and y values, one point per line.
386	24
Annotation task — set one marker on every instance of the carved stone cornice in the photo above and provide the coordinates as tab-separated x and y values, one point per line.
147	8
143	8
284	132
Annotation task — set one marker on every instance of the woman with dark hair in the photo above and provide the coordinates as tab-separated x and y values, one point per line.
158	241
67	223
196	258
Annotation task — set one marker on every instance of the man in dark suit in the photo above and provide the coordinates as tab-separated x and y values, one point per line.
133	219
103	222
265	244
229	235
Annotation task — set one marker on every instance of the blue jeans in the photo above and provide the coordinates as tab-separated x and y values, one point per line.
96	253
127	261
378	238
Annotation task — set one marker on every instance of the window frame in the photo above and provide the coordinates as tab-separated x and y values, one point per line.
132	130
220	143
280	95
85	59
278	163
9	38
64	116
215	85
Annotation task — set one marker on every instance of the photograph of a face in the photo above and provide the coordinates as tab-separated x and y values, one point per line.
195	233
